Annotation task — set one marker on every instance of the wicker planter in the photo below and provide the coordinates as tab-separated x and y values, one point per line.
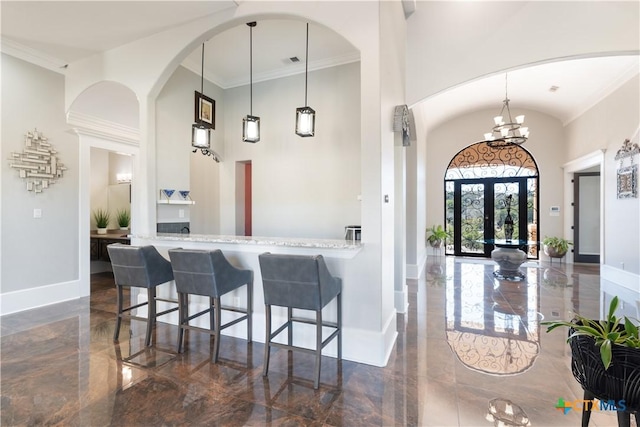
620	382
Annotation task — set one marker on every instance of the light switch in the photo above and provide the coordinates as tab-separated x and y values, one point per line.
37	213
181	213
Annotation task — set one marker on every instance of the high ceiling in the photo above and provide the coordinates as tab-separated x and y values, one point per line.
53	34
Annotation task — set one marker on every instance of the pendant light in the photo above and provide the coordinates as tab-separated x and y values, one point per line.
510	132
201	134
306	116
251	123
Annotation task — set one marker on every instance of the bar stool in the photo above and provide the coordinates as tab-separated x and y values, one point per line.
300	282
142	267
209	274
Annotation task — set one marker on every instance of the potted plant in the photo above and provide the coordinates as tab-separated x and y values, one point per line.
555	247
101	217
436	235
123	217
605	360
605	334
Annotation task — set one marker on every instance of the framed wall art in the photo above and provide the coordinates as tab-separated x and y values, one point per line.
628	182
205	110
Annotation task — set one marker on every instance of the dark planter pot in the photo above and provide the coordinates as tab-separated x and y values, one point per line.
552	252
620	382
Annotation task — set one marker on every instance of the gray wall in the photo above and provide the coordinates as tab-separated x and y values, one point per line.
44	251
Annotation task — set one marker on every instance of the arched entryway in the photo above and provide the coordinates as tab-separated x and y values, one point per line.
478	182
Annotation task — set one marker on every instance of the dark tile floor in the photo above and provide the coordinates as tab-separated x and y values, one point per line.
466	340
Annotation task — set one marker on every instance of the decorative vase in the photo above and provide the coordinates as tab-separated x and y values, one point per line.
508	226
102	231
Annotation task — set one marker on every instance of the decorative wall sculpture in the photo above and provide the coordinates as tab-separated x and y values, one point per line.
627	180
38	164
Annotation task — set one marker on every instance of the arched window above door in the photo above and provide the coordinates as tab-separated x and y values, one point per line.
481	161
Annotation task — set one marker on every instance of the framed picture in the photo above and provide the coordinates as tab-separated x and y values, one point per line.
628	182
205	110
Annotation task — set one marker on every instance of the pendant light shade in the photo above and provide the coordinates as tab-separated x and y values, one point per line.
251	123
306	116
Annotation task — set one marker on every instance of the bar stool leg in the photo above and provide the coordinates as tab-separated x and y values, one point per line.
119	298
316	382
339	300
289	326
217	311
250	311
151	313
267	343
183	314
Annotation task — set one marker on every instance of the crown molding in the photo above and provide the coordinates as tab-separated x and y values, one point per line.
95	126
33	56
271	75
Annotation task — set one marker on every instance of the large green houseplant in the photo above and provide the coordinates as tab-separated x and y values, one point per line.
612	331
436	235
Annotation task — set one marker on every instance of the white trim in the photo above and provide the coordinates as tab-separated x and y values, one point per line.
414	271
401	300
106	129
593	159
620	277
27	299
32	56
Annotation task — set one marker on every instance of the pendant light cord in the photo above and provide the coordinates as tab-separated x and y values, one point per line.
306	68
251	69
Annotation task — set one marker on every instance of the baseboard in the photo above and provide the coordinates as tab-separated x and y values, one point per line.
414	271
26	299
620	277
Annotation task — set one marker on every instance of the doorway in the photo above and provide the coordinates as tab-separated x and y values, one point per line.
586	217
484	186
479	210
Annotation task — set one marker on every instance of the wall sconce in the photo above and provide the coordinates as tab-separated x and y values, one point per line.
251	123
306	116
123	178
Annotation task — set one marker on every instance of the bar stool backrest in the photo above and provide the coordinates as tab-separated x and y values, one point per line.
297	281
139	266
206	273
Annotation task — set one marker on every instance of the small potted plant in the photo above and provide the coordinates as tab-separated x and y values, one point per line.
123	217
436	235
101	217
555	247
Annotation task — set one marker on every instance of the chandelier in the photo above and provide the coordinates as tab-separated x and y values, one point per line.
507	131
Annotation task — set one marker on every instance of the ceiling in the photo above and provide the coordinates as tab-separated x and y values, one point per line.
53	34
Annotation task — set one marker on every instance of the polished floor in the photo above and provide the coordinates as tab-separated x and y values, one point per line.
467	342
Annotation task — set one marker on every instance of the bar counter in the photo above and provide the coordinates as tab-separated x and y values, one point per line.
341	257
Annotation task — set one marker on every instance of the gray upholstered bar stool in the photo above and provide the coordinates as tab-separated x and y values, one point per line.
300	282
142	267
209	274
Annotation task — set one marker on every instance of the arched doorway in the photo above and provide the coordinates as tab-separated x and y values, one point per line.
477	183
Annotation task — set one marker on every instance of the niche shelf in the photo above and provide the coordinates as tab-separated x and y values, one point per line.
165	198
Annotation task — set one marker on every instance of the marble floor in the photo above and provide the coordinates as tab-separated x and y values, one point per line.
466	340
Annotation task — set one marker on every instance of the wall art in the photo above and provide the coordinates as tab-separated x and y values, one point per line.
627	179
38	164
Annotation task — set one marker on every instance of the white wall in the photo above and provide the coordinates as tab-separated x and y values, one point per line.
302	187
450	43
100	184
545	145
605	126
33	97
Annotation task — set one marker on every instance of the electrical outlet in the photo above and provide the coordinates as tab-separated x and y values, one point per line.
181	213
37	213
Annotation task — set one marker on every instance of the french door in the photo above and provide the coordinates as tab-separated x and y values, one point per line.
476	210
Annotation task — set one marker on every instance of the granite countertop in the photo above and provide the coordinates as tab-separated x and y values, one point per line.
295	242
